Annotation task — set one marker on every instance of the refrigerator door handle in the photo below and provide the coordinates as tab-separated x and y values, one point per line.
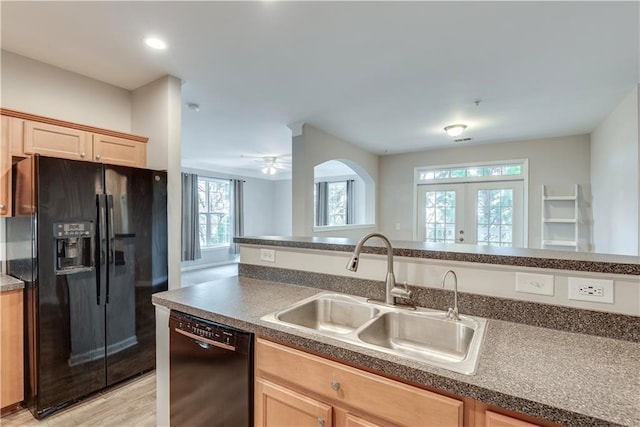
112	240
102	226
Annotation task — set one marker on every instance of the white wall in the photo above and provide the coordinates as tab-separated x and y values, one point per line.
559	161
614	175
157	113
35	87
310	149
282	207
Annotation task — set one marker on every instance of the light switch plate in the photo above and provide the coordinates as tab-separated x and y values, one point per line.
268	255
541	284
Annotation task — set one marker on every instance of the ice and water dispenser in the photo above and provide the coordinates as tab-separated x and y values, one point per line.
74	246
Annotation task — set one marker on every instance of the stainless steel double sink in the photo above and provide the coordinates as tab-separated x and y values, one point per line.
420	334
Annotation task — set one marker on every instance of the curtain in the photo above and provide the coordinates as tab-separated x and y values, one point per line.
190	218
321	204
238	213
351	203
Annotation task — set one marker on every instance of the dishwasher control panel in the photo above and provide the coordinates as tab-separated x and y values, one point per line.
203	328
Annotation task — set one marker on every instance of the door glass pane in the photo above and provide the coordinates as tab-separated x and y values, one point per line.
494	219
439	216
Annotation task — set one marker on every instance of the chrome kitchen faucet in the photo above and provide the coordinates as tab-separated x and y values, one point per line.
452	313
392	290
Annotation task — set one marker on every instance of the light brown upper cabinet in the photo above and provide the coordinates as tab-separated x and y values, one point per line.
119	151
10	142
57	141
56	138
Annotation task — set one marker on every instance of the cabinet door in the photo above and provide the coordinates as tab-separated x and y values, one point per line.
277	406
5	167
119	151
56	141
11	348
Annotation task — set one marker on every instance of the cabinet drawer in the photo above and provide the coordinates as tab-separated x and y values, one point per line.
493	419
381	397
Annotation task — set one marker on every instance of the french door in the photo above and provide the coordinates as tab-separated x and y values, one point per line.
484	213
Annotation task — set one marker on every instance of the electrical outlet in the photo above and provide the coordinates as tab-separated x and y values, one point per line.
597	291
268	255
541	284
594	290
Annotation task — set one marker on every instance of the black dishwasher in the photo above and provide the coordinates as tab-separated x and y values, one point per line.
210	373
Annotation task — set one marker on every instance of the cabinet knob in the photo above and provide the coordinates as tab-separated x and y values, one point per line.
82	155
3	207
335	385
98	156
320	422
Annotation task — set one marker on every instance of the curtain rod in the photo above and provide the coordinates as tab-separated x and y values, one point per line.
214	177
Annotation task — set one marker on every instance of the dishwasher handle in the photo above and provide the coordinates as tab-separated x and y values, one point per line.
204	342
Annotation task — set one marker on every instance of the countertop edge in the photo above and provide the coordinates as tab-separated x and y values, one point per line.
8	283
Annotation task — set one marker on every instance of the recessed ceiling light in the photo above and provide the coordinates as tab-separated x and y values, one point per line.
155	43
454	130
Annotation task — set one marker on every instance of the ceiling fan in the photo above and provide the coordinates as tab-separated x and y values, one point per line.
271	164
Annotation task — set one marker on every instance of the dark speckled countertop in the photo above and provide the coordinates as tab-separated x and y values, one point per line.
8	283
568	378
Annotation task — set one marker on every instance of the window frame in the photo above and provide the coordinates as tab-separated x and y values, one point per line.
523	176
349	203
208	213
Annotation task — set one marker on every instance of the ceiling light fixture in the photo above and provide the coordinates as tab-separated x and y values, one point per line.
155	43
454	130
269	166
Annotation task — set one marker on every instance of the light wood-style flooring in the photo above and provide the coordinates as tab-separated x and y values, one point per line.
130	404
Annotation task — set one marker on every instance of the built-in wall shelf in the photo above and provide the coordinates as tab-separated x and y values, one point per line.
560	216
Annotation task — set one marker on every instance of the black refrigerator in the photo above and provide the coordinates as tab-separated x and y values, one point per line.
90	242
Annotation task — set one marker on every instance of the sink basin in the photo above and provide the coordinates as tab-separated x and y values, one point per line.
415	335
334	314
420	334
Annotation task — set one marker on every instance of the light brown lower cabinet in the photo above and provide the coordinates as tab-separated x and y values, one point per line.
11	348
295	388
340	395
280	406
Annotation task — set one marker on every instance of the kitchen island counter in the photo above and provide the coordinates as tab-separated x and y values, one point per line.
8	283
567	378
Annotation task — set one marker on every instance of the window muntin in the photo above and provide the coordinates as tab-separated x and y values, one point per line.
439	212
214	202
511	170
494	219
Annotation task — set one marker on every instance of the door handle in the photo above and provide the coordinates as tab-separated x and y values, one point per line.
102	226
201	340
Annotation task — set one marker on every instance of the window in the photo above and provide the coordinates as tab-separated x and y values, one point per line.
214	197
470	172
334	203
475	204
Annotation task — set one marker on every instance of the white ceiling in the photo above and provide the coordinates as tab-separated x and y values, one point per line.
387	76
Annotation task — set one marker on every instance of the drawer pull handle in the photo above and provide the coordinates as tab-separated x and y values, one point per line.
97	156
335	385
82	155
3	207
320	422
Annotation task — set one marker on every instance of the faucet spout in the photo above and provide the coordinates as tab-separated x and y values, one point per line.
452	313
392	291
